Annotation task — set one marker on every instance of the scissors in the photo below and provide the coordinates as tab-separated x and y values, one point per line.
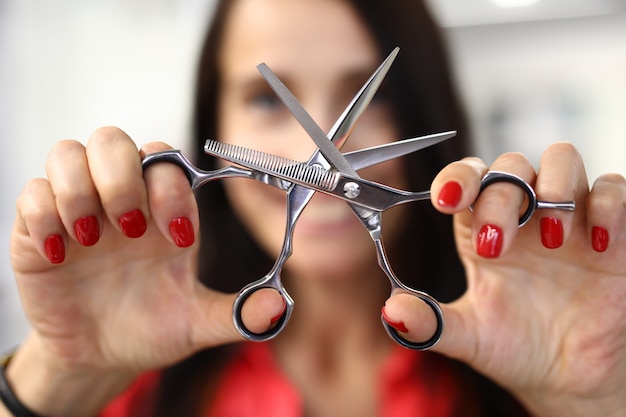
331	172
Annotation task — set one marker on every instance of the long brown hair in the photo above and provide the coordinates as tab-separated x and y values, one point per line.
421	90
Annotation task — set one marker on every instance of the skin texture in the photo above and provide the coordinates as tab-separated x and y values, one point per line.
544	323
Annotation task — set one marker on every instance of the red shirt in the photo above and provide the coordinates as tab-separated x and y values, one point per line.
412	384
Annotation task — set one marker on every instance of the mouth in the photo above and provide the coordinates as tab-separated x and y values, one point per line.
324	214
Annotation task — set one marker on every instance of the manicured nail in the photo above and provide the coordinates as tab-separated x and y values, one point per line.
599	238
55	249
489	241
133	223
398	325
181	231
87	230
551	232
450	194
275	319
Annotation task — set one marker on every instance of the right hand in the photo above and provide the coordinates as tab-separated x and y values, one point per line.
122	304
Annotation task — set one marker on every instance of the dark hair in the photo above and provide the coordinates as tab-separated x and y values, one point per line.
424	100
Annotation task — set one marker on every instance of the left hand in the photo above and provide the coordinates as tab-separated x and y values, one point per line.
544	311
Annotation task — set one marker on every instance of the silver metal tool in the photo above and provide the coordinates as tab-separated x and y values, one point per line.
331	172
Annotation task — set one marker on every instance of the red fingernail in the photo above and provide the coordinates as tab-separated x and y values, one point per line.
599	238
87	230
489	241
133	223
398	325
55	249
279	315
181	231
551	232
450	194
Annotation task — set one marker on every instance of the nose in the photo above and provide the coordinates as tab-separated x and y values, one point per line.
298	144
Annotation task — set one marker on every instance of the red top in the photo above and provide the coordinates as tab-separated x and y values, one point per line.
412	384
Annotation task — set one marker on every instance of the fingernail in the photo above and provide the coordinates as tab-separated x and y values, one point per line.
599	238
489	241
87	230
55	249
181	231
279	315
398	325
551	232
133	223
450	194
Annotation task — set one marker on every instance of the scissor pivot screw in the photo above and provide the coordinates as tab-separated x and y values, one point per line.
351	189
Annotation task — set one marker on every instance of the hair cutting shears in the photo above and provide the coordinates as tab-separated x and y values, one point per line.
331	172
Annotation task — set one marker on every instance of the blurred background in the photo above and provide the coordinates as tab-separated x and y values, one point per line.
531	72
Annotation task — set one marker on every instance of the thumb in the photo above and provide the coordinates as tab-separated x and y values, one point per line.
216	325
415	321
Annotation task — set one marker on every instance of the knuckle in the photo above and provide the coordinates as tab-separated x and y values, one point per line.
66	148
513	161
29	201
565	152
611	179
106	135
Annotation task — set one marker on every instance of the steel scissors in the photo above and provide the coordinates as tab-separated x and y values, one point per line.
331	172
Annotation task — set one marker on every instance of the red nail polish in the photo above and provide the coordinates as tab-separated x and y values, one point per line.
55	249
450	194
277	317
551	232
599	238
398	325
181	231
133	223
87	230
489	241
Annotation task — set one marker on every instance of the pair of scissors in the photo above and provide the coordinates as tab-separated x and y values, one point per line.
331	172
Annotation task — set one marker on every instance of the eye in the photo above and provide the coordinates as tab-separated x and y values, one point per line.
265	100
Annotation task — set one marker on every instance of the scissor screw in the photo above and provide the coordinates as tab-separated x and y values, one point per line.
351	189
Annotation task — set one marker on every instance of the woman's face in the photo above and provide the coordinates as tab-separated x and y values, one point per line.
323	53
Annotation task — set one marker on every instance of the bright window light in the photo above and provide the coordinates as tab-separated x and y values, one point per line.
514	3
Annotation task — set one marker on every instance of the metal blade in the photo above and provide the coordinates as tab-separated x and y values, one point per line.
340	132
326	147
364	158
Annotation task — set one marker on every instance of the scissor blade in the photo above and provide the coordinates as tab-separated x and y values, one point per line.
326	147
340	132
368	194
364	158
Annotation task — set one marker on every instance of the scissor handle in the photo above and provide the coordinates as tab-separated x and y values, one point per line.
493	177
265	282
432	303
176	157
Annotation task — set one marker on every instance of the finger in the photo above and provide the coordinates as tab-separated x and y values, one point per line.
115	167
412	318
77	200
561	177
456	186
497	208
262	309
171	200
605	207
217	327
39	221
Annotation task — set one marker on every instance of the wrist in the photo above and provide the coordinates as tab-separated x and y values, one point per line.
47	389
601	406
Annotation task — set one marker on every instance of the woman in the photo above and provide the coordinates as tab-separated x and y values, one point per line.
107	258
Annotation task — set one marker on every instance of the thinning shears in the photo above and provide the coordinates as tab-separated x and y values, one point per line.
331	172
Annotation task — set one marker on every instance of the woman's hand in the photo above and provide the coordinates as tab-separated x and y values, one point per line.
544	311
105	261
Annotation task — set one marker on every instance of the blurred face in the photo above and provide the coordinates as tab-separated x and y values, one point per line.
323	53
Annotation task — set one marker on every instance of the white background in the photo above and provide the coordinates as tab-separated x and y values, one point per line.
529	76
